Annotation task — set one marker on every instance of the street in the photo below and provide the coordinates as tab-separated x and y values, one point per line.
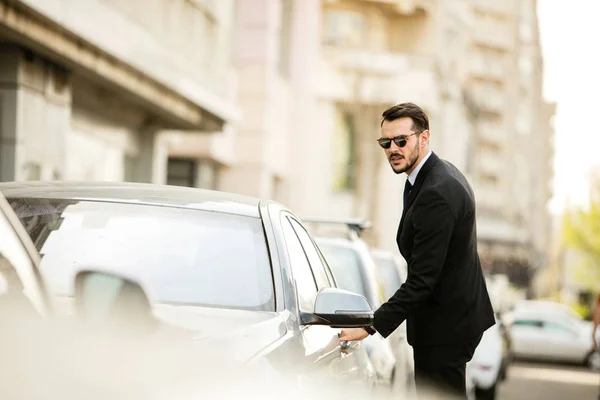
529	381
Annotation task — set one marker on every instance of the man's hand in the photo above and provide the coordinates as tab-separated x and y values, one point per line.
353	334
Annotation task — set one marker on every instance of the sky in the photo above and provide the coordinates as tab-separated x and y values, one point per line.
569	33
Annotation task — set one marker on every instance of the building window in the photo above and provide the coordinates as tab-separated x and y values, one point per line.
526	32
526	65
344	143
130	165
33	171
181	172
344	28
192	173
207	174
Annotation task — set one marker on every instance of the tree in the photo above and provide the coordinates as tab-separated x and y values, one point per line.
581	232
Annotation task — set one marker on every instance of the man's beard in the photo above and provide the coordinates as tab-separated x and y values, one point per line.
412	160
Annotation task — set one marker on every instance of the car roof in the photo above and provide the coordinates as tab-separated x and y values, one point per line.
543	308
336	241
135	193
384	254
541	305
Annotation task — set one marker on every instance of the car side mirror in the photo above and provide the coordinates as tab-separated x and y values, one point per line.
111	301
339	308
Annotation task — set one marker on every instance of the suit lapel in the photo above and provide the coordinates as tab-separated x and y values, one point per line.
431	161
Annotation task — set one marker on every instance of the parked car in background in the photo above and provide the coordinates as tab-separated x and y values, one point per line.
550	331
392	273
490	362
355	270
233	275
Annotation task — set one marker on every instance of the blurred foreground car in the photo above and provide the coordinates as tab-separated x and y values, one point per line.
43	357
232	275
354	270
549	331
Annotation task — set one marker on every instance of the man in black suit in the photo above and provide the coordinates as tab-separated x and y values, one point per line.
444	299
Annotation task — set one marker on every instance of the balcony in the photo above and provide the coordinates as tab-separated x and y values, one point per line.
406	7
489	197
489	99
487	68
366	61
490	164
494	35
500	231
503	7
353	75
491	133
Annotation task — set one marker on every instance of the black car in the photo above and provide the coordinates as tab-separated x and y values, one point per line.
237	274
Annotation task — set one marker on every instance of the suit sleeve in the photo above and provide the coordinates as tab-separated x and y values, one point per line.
433	223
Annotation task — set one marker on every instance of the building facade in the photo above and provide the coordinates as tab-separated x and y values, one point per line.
511	155
282	99
87	87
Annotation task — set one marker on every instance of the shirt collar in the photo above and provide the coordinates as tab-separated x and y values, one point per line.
413	176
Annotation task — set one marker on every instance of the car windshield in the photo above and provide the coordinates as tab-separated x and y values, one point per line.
345	265
390	277
181	256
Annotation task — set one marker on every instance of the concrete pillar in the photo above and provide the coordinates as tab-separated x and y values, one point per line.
255	52
312	120
35	107
8	113
150	164
9	68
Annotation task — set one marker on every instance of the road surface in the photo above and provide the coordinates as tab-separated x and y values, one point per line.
528	381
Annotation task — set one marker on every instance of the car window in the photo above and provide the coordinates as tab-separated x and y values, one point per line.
312	253
327	268
18	282
181	256
389	274
528	323
345	264
557	327
305	280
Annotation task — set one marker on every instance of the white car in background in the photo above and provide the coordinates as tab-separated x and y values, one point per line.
353	270
549	331
490	361
392	273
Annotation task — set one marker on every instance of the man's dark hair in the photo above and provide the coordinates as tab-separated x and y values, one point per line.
411	110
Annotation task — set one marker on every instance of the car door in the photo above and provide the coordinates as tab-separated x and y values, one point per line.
561	341
24	339
528	337
310	274
20	283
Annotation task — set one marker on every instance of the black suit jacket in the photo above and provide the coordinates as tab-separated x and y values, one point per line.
444	298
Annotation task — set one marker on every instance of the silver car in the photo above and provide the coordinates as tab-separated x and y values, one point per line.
352	264
238	278
392	272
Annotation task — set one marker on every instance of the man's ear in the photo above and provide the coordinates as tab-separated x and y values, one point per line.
425	136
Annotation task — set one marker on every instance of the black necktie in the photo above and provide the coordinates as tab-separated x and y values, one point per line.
407	188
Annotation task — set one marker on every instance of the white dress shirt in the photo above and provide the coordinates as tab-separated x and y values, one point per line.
413	176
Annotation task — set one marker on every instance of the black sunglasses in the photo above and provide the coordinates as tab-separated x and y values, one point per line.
399	140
